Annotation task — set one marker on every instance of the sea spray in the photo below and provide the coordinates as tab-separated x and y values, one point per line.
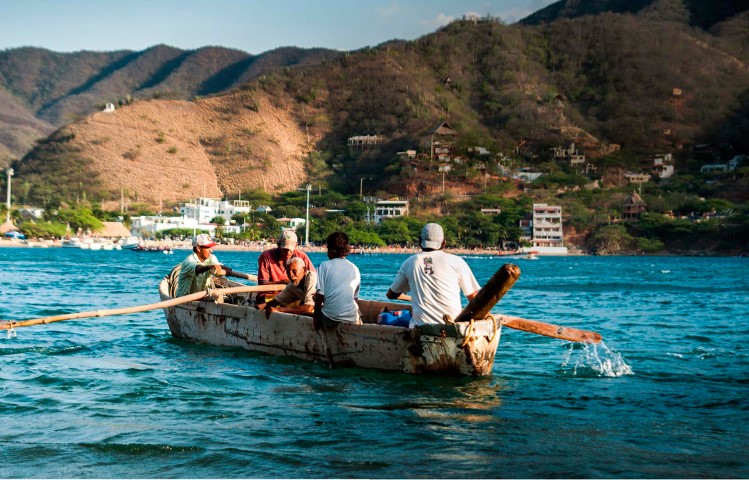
594	360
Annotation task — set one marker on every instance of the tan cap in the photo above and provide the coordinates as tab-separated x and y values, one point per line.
288	239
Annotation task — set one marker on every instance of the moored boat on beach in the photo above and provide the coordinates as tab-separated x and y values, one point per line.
466	348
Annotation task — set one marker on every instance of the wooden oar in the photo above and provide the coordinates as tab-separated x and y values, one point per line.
550	330
495	289
500	283
541	328
246	276
139	308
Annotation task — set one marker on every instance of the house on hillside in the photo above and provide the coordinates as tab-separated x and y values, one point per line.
637	177
714	167
441	140
205	209
570	155
291	223
633	207
544	230
385	209
659	165
362	142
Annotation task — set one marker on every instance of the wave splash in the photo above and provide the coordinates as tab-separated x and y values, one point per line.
594	360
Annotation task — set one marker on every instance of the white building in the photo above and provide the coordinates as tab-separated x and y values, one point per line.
660	165
151	224
544	231
206	209
291	223
390	209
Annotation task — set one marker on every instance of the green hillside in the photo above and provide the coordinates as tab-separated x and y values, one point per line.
622	80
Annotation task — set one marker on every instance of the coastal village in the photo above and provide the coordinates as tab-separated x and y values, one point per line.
541	229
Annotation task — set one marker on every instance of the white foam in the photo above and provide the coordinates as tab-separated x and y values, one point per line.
595	359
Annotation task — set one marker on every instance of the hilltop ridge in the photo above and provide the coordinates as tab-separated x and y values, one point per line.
635	83
48	90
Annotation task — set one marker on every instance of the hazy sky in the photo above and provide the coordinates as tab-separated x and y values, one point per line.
250	25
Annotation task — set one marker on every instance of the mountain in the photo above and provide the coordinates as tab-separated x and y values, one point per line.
41	90
700	13
644	82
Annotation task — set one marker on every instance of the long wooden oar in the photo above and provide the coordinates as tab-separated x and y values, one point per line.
500	283
550	330
495	289
139	308
541	328
246	276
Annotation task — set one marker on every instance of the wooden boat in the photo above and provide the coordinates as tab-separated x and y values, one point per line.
466	348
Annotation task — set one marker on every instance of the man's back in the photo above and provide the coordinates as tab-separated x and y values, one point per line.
435	280
339	281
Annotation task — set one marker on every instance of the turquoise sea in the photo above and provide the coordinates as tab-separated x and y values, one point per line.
665	395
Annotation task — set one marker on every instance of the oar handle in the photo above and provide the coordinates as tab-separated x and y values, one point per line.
245	276
140	308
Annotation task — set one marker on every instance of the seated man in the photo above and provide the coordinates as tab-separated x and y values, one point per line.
271	265
338	283
298	296
435	279
196	270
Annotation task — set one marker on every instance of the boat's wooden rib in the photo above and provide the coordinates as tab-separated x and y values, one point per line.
457	349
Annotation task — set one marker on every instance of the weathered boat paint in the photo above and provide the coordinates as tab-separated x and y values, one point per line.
454	349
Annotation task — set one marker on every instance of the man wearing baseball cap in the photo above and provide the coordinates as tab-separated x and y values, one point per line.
271	264
435	279
195	271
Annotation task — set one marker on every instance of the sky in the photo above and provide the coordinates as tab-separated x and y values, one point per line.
254	26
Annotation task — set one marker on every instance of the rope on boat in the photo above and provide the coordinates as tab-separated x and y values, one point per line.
467	336
495	328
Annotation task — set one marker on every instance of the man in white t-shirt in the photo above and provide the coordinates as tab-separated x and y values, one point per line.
338	282
435	279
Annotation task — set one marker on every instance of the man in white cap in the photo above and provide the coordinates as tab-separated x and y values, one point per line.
271	264
195	271
435	279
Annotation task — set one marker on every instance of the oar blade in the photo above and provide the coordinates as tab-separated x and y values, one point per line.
550	330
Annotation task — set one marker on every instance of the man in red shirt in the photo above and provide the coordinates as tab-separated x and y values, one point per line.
271	265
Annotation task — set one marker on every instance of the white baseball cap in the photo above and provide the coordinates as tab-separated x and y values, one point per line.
432	236
203	240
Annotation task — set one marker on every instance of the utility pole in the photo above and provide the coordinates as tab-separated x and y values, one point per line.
7	214
306	221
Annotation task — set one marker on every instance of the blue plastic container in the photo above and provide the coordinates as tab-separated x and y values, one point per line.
397	318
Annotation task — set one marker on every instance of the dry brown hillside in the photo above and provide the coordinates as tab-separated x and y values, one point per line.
171	150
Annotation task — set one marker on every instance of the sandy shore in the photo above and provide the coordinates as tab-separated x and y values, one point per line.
259	247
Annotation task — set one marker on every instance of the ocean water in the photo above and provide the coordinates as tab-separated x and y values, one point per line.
665	395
